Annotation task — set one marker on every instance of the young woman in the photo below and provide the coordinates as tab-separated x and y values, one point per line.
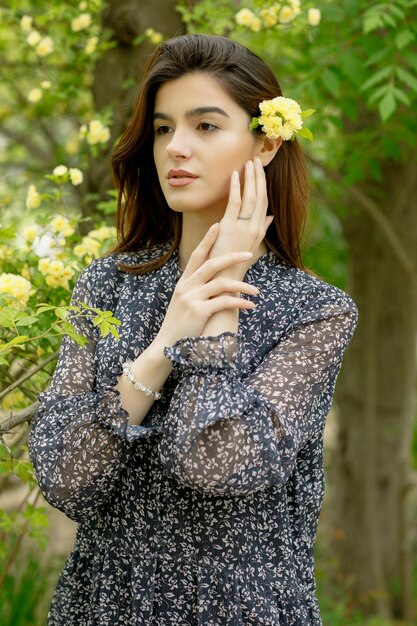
190	450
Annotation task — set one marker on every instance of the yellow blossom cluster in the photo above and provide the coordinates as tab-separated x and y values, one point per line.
90	246
55	272
60	225
42	45
153	36
278	13
75	175
33	199
81	22
95	132
30	232
246	17
36	93
14	290
280	117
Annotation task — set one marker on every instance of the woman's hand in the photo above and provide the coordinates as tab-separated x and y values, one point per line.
200	293
237	231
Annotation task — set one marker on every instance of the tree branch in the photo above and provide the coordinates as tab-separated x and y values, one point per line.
16	419
372	210
30	372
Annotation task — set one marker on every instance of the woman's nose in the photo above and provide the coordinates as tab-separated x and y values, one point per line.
179	146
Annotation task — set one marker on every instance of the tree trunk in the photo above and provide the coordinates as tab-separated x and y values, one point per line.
117	75
373	500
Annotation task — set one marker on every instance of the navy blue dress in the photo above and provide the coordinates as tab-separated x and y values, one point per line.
206	513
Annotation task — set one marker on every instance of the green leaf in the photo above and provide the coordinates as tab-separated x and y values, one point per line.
403	38
306	133
402	96
331	82
3	361
114	332
307	113
105	328
7	234
44	307
407	78
254	123
61	312
385	72
15	341
26	321
372	22
7	319
387	106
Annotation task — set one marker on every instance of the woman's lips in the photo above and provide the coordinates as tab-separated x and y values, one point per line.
181	181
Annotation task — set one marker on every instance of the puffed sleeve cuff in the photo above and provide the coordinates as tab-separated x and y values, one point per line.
111	414
205	353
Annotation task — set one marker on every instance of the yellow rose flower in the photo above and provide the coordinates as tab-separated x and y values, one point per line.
314	17
81	22
286	15
14	290
35	95
91	45
33	38
280	117
33	199
45	46
103	233
80	250
76	176
97	132
60	170
61	225
255	24
244	17
26	23
43	265
29	233
46	84
269	16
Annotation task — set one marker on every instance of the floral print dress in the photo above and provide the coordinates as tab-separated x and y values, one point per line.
206	513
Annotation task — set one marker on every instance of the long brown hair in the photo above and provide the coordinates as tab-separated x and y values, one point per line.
143	215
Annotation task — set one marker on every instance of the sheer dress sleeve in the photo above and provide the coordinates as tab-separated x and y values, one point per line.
79	437
234	436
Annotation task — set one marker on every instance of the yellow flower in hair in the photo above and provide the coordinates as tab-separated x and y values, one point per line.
282	117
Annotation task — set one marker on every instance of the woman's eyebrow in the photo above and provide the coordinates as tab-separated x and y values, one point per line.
193	113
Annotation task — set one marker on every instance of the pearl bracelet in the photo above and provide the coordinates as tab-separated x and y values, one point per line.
127	370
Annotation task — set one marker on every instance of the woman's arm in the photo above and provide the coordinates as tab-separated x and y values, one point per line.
230	435
79	439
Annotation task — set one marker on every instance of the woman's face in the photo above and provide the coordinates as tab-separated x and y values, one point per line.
199	129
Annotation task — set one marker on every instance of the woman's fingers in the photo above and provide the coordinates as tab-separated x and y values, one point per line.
201	252
223	285
234	201
248	206
212	266
261	191
228	302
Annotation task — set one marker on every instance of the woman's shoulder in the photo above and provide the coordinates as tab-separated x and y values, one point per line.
108	266
303	287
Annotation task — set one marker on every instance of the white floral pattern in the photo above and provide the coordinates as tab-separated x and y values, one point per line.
206	513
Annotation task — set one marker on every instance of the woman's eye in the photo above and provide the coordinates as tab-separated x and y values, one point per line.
162	130
207	126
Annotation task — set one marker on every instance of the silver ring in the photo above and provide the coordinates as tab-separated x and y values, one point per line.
245	218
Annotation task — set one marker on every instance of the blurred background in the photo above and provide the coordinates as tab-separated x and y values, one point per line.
69	74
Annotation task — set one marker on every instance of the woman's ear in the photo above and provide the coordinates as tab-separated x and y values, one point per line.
267	148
